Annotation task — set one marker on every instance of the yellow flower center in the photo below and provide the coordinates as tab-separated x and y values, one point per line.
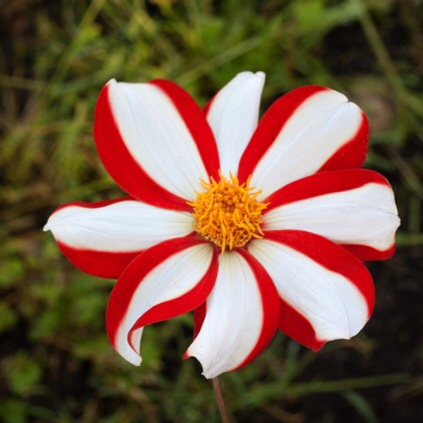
227	213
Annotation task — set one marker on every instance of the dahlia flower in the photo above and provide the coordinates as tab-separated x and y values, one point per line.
254	226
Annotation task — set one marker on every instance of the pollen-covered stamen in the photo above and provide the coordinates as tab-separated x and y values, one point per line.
228	213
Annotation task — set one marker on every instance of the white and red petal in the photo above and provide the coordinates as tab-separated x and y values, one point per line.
233	116
327	292
154	141
310	129
103	238
242	314
167	280
355	208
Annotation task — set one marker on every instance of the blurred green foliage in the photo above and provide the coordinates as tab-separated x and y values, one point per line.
55	359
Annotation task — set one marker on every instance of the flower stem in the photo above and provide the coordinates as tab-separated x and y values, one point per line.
220	401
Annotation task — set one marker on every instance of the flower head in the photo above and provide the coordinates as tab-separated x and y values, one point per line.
253	226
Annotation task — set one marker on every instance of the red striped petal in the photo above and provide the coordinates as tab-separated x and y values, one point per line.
355	208
307	130
331	257
271	125
167	280
324	183
129	161
244	296
194	118
102	238
326	292
101	264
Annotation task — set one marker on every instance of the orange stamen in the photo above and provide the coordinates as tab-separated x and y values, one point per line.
228	213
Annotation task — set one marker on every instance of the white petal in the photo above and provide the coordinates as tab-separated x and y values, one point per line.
233	116
157	137
171	279
331	303
366	216
233	321
119	227
316	130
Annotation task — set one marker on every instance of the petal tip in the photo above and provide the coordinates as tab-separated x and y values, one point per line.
211	373
137	362
206	371
208	376
134	359
317	346
248	76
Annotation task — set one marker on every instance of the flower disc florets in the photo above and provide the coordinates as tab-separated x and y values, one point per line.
228	213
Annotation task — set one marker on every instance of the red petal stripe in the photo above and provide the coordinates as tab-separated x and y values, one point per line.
270	303
297	327
327	183
199	316
270	125
98	263
206	108
353	153
186	303
323	183
144	264
102	264
196	122
120	164
366	253
126	171
96	204
332	257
